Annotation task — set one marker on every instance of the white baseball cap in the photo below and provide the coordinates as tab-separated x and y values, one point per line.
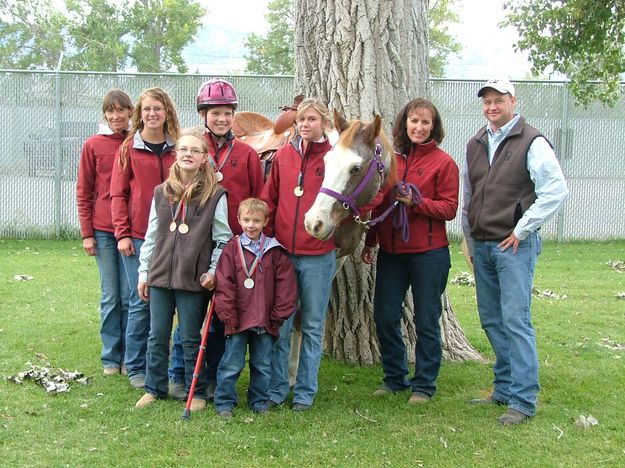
502	85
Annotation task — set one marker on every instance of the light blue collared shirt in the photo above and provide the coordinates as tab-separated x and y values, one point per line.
545	171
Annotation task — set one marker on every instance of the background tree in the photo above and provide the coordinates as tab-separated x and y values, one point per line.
162	28
97	29
273	53
32	34
98	35
442	44
365	58
582	39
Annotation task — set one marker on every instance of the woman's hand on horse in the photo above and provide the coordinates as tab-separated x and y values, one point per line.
126	247
88	243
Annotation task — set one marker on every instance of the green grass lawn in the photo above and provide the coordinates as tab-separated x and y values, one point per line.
56	314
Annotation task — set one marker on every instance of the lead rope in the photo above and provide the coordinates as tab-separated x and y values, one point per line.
400	217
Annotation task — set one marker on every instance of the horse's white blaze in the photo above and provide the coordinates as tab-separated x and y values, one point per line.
338	163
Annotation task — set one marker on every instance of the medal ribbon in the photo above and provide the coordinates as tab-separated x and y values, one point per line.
214	160
249	272
182	206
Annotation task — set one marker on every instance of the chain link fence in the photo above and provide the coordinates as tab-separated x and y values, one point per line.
46	116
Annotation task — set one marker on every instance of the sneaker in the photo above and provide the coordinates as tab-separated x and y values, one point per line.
300	407
225	415
145	400
512	417
197	404
108	371
272	404
489	400
418	399
384	390
137	381
210	391
176	390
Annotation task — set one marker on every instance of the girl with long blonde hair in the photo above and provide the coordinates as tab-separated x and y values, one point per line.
187	230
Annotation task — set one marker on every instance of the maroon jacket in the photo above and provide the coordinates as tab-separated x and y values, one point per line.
94	179
268	304
243	175
435	174
286	211
132	189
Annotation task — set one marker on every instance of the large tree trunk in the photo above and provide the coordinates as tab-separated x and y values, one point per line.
366	57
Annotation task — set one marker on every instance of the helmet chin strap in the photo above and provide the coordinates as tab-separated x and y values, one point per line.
228	136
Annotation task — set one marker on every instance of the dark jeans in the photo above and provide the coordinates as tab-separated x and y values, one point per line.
215	346
233	362
191	308
426	273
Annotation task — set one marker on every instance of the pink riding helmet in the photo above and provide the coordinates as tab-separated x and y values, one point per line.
216	92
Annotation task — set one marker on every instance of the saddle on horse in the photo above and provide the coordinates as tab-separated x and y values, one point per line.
265	136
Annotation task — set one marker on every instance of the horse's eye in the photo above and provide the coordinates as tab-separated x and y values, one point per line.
355	169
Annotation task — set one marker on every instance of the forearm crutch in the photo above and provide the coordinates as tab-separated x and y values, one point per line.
200	357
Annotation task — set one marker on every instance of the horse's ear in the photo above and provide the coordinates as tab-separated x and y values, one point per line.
372	131
340	122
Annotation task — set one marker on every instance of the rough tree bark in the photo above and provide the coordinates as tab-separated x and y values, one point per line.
366	57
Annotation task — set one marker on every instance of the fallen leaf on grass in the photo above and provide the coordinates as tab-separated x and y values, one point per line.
547	294
463	279
248	420
608	343
54	380
618	265
23	278
586	421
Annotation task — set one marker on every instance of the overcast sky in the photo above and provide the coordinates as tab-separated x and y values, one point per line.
487	48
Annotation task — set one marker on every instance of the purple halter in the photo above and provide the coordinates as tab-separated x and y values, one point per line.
349	201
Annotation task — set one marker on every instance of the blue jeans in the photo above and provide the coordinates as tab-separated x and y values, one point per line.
426	274
215	346
138	326
114	300
191	308
504	295
233	362
314	280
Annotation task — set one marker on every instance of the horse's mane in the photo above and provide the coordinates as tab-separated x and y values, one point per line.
347	137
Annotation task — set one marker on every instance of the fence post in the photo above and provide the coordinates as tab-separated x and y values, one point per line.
58	166
564	154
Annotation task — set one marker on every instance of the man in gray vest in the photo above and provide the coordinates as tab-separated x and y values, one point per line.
513	183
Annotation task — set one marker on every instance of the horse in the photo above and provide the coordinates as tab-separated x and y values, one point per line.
361	163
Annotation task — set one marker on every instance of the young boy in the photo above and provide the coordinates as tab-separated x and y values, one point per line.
256	292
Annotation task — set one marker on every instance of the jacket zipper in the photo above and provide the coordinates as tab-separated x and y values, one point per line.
305	155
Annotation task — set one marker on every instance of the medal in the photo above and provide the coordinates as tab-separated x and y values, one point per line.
298	191
181	210
249	282
216	164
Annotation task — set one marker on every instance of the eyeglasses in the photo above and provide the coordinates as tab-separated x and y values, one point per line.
155	109
193	151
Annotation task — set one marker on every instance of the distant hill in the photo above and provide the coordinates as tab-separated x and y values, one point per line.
217	50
